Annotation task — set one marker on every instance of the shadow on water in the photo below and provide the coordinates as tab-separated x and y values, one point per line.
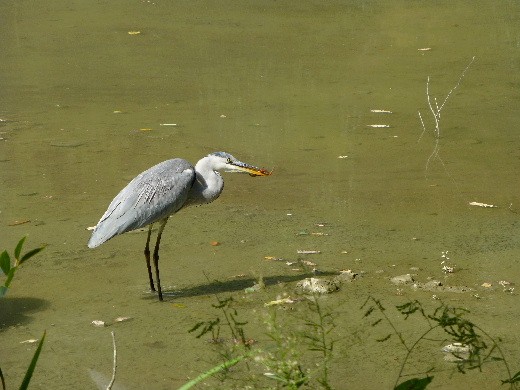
17	311
229	286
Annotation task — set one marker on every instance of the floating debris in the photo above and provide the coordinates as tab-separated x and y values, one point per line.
146	129
482	205
21	222
282	301
98	323
342	156
319	234
486	285
134	32
122	319
507	286
424	49
305	252
273	258
382	111
214	243
167	124
91	227
117	112
67	144
30	341
378	125
309	263
448	270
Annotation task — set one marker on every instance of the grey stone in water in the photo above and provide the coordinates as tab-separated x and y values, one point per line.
438	286
346	276
317	286
456	352
402	279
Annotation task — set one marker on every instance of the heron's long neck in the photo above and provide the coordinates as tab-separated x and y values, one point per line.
208	184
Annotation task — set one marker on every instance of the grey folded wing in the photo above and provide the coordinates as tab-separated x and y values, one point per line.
151	196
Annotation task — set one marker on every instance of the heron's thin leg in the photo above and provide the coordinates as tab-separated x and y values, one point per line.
156	257
147	256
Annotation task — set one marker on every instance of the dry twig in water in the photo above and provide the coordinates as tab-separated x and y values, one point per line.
109	387
436	113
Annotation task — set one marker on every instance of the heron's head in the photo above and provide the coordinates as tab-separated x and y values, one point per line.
225	161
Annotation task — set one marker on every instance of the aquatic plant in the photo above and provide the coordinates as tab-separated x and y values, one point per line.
477	347
8	269
280	360
286	361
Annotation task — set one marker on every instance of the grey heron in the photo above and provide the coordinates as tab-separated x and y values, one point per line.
157	193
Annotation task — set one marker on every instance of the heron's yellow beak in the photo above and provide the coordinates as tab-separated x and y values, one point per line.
239	166
259	172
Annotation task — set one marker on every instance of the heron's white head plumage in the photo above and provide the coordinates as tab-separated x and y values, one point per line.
226	162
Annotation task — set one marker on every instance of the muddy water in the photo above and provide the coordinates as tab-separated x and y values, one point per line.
287	86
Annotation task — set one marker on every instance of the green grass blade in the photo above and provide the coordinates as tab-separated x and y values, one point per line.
211	372
2	379
18	248
5	262
32	366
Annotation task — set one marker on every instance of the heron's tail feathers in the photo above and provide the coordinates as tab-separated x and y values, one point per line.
101	235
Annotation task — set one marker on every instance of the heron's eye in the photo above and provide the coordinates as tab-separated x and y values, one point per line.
229	161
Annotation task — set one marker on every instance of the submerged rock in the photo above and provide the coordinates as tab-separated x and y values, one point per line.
438	286
346	276
456	352
402	279
317	286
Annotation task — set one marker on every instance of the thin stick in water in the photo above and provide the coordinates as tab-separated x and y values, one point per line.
109	387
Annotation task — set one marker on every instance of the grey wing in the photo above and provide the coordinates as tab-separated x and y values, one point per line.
151	196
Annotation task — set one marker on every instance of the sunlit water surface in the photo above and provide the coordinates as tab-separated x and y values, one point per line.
92	93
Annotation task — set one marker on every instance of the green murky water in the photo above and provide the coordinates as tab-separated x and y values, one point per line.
285	85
